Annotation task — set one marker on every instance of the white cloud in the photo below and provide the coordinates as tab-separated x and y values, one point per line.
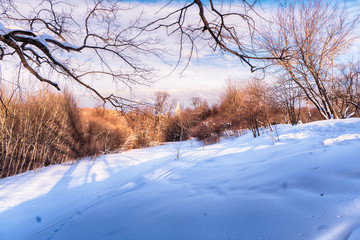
204	77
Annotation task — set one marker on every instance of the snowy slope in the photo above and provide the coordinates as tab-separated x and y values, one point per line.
306	186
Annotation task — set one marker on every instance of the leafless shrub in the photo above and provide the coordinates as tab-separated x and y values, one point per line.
178	127
249	105
290	97
209	131
176	149
141	121
104	130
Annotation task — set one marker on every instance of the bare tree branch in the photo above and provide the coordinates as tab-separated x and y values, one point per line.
314	34
39	42
220	28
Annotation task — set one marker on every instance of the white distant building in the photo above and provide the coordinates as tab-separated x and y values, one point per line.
177	109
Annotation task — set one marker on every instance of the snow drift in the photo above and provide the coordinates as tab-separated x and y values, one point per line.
305	186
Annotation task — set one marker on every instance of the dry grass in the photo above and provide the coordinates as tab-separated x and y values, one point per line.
48	128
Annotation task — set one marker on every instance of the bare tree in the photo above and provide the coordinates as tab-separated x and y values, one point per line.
346	94
222	25
162	107
256	105
313	34
232	103
196	102
54	37
249	104
289	95
142	124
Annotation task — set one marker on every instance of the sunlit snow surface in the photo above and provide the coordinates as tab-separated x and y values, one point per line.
306	186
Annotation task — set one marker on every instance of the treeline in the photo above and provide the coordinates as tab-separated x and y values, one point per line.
48	128
249	105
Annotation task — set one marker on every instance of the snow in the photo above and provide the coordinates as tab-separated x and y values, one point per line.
305	186
41	37
6	29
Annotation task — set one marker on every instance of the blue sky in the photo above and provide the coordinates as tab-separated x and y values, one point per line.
206	76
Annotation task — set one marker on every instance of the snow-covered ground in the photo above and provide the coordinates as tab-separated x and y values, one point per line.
306	186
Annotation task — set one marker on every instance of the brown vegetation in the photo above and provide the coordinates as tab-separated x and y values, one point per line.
38	132
44	129
305	41
49	128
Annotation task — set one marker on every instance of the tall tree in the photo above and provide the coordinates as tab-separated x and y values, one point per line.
347	90
162	107
289	95
313	34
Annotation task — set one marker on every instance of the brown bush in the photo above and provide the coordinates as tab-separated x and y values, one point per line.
142	123
250	105
210	130
178	127
105	130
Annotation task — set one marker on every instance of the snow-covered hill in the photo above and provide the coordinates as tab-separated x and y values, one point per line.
305	186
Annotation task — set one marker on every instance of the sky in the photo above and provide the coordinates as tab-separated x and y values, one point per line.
205	75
